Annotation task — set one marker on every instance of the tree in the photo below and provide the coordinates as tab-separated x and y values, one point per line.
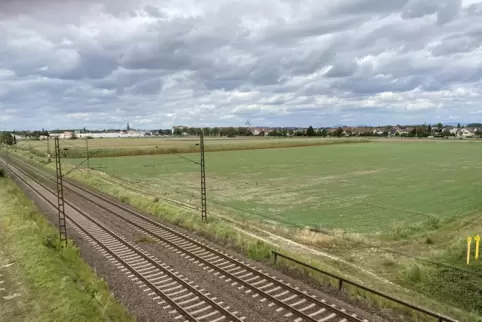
324	133
207	131
458	125
177	131
338	132
231	132
446	132
14	140
439	126
310	131
6	138
429	129
214	131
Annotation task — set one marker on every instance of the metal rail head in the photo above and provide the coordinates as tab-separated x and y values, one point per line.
60	195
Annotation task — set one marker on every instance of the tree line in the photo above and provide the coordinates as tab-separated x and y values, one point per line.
7	138
215	131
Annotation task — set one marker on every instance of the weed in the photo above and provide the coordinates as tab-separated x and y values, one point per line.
414	274
146	240
50	240
433	222
428	240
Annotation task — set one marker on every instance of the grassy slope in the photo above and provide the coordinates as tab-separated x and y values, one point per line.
56	284
409	274
367	188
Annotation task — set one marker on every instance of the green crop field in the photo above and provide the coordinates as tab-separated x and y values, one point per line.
355	187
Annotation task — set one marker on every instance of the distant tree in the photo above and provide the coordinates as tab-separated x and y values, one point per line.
244	131
429	129
338	132
6	138
207	131
273	132
231	132
14	139
439	126
290	132
177	131
73	137
214	131
446	132
324	133
458	125
310	131
348	132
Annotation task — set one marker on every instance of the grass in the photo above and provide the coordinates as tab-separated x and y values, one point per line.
411	237
150	146
53	282
368	188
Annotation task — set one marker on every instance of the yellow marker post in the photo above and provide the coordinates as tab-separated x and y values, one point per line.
469	242
477	241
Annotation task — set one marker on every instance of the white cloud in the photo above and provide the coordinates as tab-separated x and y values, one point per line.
156	63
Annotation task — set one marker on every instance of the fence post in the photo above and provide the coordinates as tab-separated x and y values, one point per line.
275	259
340	284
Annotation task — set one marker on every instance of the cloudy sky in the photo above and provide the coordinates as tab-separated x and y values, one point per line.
158	63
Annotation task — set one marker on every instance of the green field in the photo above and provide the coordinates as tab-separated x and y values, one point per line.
354	187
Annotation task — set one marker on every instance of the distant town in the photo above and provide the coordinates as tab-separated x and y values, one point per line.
435	130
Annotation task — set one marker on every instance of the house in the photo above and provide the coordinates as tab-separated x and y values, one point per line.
465	133
377	131
66	135
394	132
405	131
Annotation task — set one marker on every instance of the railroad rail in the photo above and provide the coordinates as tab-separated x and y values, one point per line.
281	296
191	303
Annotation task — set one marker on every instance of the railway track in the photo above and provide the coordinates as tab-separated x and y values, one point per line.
284	299
182	298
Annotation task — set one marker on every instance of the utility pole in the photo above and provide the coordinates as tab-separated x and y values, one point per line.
204	211
48	149
6	155
87	152
60	194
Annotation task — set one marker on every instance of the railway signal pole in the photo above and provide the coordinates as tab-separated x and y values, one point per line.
6	155
204	211
60	195
48	148
87	152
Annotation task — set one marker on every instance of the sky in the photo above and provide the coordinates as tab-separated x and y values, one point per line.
155	64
